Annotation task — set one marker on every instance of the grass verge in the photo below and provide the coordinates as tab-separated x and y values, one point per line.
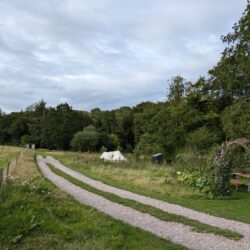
196	226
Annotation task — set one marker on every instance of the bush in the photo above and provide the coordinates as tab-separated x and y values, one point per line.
202	139
86	140
197	180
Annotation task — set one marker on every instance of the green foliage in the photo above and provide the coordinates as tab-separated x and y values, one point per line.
25	139
222	175
124	128
246	160
202	139
196	179
147	145
191	160
86	140
236	120
103	149
110	142
169	129
231	76
241	160
59	126
176	88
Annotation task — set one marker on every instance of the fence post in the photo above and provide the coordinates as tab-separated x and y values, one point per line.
1	178
5	172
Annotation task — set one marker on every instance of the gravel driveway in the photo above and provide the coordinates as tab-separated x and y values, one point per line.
175	232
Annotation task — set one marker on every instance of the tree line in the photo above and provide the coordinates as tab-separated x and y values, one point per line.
196	115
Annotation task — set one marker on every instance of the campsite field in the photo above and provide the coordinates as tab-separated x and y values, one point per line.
153	181
36	215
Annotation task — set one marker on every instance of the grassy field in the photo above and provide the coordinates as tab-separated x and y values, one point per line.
36	215
8	154
149	180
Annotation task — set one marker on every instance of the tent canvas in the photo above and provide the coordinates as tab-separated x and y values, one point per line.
113	156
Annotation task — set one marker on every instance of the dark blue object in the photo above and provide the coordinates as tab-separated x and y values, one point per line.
157	158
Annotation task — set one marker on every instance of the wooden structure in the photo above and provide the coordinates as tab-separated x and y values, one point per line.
240	179
30	146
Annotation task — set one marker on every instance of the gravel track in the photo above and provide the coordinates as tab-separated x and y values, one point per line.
175	232
236	226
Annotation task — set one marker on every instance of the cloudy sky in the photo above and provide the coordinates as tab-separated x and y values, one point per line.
106	53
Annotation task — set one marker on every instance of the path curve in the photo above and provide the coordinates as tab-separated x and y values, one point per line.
175	232
236	226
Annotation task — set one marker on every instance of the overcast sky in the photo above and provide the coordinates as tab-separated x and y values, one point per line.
106	53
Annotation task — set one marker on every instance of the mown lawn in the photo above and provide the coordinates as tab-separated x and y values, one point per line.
34	214
155	182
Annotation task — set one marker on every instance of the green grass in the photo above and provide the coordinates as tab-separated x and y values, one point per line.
8	154
156	183
34	214
196	226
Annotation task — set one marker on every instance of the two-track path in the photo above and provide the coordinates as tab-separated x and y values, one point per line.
175	232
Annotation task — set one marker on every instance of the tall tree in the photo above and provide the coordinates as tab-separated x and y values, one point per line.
176	88
230	78
35	115
60	124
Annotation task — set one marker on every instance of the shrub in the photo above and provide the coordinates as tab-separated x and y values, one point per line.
86	140
197	180
202	139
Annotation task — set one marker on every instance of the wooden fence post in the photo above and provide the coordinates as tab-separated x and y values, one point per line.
1	178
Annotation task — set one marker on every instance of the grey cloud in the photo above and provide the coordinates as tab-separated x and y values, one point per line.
106	53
